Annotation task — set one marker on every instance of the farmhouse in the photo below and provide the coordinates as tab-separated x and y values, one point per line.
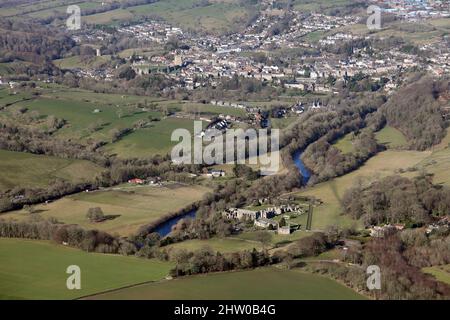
136	181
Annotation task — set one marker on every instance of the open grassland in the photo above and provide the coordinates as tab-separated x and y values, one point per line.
94	116
319	5
150	141
260	284
345	144
60	7
32	269
82	63
331	192
209	109
218	16
20	169
438	163
129	207
36	6
7	97
82	119
275	238
441	273
217	244
391	138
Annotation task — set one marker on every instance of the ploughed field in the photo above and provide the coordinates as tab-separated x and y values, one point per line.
259	284
31	269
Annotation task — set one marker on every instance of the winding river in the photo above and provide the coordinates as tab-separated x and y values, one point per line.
166	227
301	166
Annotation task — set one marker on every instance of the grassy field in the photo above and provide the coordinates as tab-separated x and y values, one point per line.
37	270
209	109
438	163
7	97
260	284
275	238
150	141
81	117
331	192
345	144
319	5
93	116
20	169
217	244
78	62
391	138
217	16
131	206
441	273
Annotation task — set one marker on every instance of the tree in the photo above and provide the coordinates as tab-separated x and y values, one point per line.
95	214
282	222
30	209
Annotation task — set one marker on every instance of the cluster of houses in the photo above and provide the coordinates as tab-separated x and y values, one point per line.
441	224
149	181
155	31
381	231
203	60
263	218
414	10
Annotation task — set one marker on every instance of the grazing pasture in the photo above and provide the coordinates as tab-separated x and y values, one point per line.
31	269
259	284
390	137
217	244
345	144
128	207
20	169
150	141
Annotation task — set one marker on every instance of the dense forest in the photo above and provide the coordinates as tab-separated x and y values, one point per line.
417	111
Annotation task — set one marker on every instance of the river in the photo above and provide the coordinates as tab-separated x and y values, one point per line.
297	157
166	227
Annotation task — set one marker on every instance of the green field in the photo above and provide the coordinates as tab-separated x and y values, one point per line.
209	109
93	116
150	141
275	238
218	16
438	162
79	62
217	244
319	5
20	169
345	144
441	273
37	270
7	97
259	284
81	117
131	206
391	138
